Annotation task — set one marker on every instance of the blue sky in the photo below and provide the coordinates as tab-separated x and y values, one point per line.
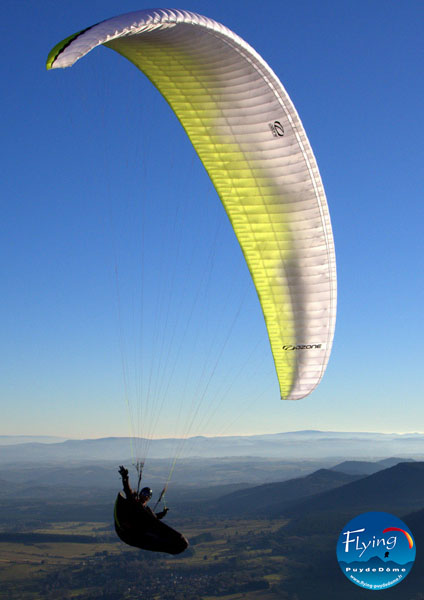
94	163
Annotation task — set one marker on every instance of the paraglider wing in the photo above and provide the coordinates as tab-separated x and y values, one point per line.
250	139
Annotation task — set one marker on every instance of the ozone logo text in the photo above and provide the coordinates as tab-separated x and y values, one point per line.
302	347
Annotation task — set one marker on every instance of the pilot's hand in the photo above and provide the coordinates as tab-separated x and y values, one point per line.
123	472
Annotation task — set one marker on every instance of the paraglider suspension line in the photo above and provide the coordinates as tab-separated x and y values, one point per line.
162	496
139	466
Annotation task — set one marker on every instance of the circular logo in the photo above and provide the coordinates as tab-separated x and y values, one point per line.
376	550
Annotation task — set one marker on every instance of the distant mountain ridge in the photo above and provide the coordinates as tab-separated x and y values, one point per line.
274	497
363	467
331	497
398	490
298	445
8	440
315	490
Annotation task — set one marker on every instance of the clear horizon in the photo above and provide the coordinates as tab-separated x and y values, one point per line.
62	437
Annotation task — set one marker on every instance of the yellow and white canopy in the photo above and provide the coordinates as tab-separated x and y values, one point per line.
251	141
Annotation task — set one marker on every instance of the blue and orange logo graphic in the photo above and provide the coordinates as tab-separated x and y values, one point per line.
376	550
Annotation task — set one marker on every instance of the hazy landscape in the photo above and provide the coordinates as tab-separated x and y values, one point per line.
259	527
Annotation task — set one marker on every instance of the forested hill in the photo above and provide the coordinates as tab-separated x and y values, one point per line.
364	467
272	498
398	490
